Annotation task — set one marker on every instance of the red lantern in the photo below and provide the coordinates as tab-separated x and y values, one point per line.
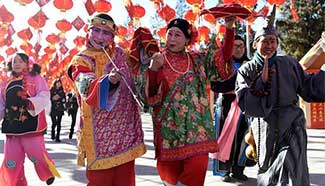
190	16
204	33
63	25
102	6
136	12
24	2
63	5
248	3
162	34
25	34
195	5
27	47
49	50
38	20
277	2
121	31
5	16
209	18
157	3
10	51
52	38
167	13
124	43
222	29
79	41
230	1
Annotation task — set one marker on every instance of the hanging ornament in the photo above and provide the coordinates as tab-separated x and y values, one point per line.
78	23
63	25
38	20
190	16
24	2
102	6
63	5
167	13
196	4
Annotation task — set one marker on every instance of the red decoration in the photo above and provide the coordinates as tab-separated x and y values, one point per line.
136	11
167	13
222	29
204	33
78	23
162	34
27	47
10	51
224	10
49	50
37	47
38	20
121	31
42	2
193	2
25	34
277	2
1	58
190	16
11	31
102	6
52	38
90	7
158	4
5	15
63	25
209	18
247	3
64	49
63	5
230	1
79	41
24	2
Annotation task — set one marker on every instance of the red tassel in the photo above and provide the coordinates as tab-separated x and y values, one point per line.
293	11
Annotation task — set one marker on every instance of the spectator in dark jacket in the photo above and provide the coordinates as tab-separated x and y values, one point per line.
57	109
72	108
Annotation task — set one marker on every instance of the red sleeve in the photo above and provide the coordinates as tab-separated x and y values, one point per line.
76	69
223	57
153	85
228	45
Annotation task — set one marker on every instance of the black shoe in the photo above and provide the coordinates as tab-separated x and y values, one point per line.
50	181
240	177
226	178
58	140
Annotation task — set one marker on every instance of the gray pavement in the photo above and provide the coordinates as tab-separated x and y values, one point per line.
64	155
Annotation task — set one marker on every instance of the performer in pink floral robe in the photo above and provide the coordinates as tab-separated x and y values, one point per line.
23	98
110	137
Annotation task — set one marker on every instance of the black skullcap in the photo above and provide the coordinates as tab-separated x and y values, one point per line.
238	37
268	29
182	24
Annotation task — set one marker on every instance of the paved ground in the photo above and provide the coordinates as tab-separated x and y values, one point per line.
64	155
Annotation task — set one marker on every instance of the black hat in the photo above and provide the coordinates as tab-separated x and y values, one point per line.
267	29
182	24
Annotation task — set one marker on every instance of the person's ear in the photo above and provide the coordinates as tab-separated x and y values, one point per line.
187	42
254	44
